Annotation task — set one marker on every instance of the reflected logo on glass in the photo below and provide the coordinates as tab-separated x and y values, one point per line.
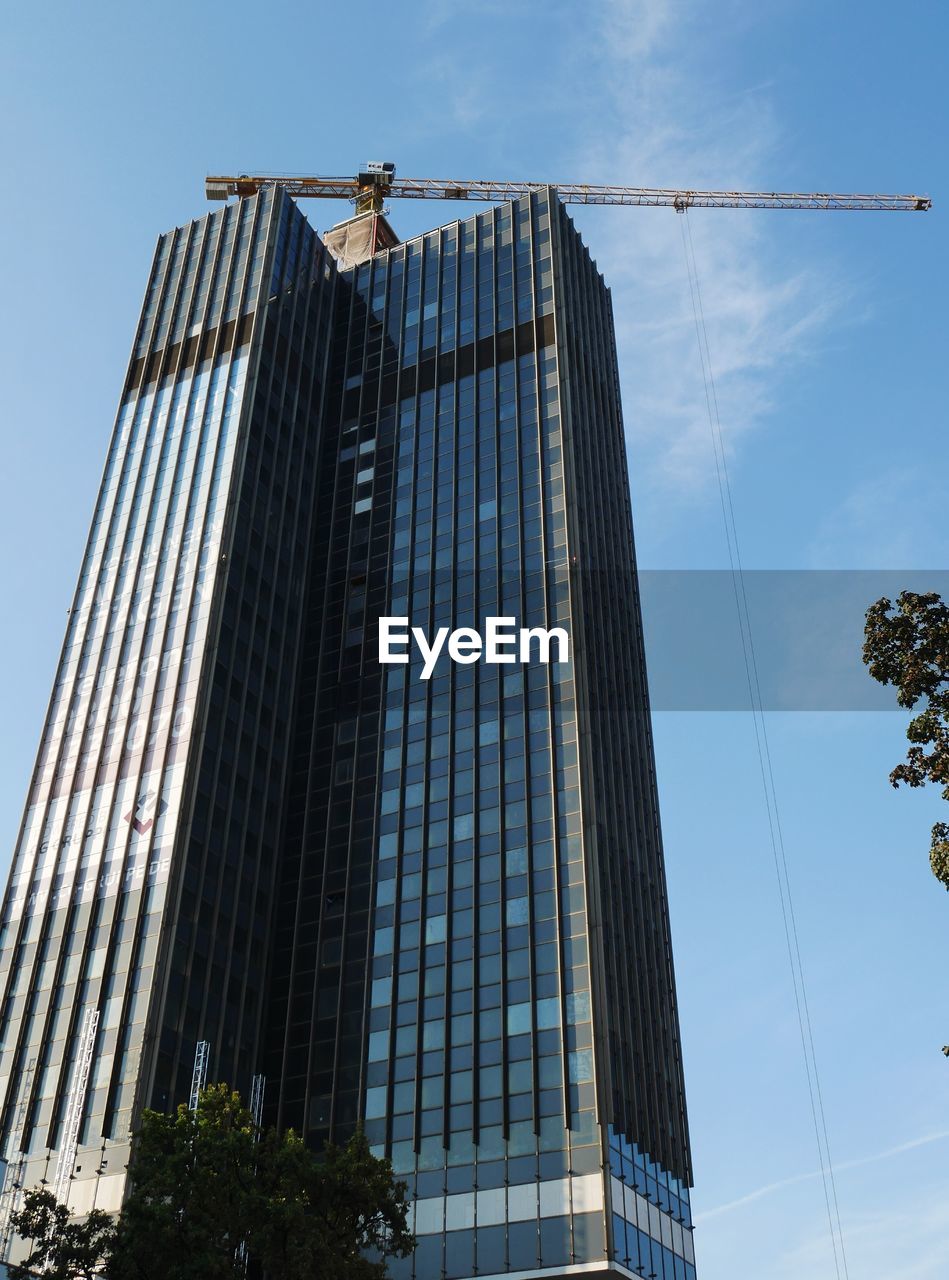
146	809
503	642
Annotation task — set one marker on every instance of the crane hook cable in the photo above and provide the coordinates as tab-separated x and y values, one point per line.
765	762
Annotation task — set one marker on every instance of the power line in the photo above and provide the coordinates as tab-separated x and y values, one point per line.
766	767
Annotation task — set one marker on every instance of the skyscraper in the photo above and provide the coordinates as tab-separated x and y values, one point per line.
430	902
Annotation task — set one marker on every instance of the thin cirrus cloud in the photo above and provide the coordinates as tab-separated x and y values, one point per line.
666	127
902	1239
770	1187
885	522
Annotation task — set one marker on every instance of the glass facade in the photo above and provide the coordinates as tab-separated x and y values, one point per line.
471	946
456	882
143	874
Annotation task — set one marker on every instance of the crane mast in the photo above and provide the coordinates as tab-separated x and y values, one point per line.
377	182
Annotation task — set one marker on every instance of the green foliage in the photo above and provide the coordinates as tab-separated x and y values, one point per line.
192	1193
939	853
205	1186
908	646
325	1215
62	1249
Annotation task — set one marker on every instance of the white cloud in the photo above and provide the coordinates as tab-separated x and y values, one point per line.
899	1232
780	1185
440	13
894	1241
634	27
885	522
461	87
668	123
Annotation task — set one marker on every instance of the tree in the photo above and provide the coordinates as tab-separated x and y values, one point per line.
203	1186
62	1249
207	1190
908	646
192	1193
334	1218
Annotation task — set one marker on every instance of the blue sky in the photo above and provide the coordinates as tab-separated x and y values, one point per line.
827	334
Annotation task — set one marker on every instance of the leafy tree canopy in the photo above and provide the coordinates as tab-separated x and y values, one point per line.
192	1194
907	645
62	1249
207	1192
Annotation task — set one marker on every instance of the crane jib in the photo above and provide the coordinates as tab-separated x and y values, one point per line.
369	190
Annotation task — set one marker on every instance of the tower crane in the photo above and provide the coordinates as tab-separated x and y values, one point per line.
377	181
